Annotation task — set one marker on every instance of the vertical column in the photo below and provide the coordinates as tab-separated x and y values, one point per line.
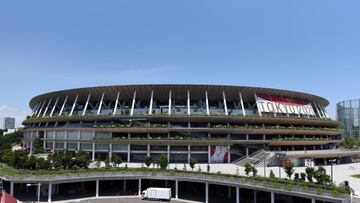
237	195
62	107
124	185
49	192
228	155
139	186
53	108
12	188
189	149
207	103
169	107
225	105
97	188
78	144
74	104
116	103
168	153
242	104
255	196
110	151
188	102
44	139
128	154
272	197
176	189
133	104
209	153
148	150
151	102
93	152
313	200
206	192
86	104
65	138
100	104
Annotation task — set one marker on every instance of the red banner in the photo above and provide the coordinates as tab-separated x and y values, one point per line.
7	198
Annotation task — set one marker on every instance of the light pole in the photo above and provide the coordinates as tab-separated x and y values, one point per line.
38	191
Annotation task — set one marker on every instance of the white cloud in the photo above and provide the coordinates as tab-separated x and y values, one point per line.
18	114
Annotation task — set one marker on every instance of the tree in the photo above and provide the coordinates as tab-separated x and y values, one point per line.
272	174
254	171
82	159
208	168
289	169
309	173
116	159
38	145
192	163
321	177
30	163
302	177
107	162
148	160
163	162
248	169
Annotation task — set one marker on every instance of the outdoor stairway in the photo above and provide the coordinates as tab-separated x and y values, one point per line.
257	159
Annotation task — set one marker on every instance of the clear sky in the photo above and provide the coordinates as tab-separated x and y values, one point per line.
310	46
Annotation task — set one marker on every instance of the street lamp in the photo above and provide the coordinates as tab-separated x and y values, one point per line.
38	192
332	161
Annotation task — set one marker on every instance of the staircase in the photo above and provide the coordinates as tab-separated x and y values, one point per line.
257	158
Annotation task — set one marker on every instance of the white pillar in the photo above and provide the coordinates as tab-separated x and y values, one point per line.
237	195
34	111
74	104
133	104
128	154
225	105
100	104
49	192
313	200
257	104
93	152
228	155
62	107
12	188
189	149
206	192
169	107
242	104
207	103
176	189
47	107
116	103
86	104
168	153
97	188
110	152
272	197
53	108
139	186
151	102
188	102
42	106
209	153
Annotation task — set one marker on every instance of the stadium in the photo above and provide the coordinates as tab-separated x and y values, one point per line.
209	123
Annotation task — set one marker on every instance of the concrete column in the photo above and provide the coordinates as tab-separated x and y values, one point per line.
168	153
189	149
228	155
272	197
209	153
97	188
124	186
237	195
78	144
148	150
31	147
12	188
49	192
247	152
110	152
206	192
313	200
128	154
229	192
255	197
65	137
176	189
44	140
139	187
93	152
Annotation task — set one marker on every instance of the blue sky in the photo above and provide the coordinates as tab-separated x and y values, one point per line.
310	46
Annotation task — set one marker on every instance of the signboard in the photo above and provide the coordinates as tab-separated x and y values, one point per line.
308	163
283	105
218	154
